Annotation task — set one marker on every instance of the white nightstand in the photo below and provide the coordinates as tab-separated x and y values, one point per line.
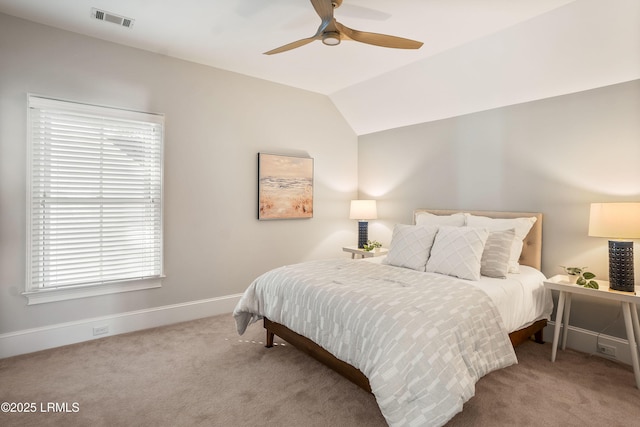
628	300
364	254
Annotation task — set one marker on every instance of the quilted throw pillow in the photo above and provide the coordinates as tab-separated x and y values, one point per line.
520	225
410	246
457	251
497	250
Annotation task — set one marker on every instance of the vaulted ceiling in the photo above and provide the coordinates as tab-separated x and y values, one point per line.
476	54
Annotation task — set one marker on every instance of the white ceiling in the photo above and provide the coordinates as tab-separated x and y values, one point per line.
233	34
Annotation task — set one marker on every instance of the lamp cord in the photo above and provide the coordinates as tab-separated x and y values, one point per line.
603	330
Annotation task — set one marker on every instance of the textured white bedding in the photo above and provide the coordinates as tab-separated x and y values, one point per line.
521	298
423	340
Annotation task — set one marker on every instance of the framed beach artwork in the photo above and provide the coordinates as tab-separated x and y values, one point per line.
285	187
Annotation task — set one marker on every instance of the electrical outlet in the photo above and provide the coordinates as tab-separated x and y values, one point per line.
100	330
607	350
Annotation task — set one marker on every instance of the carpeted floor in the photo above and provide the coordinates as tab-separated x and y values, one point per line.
201	373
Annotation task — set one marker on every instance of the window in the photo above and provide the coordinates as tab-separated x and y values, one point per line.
95	200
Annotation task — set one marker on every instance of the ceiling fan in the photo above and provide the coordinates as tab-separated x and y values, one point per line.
331	32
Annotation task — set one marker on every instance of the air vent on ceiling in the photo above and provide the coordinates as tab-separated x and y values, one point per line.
111	17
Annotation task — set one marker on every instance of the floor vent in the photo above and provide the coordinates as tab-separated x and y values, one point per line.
111	17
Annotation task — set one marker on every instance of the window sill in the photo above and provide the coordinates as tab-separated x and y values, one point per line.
43	296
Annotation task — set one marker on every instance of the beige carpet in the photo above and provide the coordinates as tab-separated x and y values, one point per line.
201	373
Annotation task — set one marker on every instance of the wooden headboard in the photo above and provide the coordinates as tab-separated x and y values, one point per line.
532	244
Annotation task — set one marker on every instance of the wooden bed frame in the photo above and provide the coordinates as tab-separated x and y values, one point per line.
531	256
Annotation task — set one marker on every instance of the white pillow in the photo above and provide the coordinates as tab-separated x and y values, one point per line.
410	246
520	225
457	251
496	254
426	218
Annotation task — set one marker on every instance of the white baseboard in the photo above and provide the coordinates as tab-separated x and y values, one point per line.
587	341
30	340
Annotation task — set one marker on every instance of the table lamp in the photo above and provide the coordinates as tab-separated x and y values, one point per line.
617	221
362	210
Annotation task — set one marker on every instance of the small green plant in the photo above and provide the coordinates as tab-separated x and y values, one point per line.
371	245
584	277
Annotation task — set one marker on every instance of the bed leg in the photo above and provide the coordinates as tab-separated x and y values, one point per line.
270	336
538	337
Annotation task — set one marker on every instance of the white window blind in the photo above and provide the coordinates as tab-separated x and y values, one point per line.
95	203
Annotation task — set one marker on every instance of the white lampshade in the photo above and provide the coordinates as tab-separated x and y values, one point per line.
615	220
363	209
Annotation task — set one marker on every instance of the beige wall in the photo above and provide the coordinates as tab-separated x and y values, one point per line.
216	123
555	156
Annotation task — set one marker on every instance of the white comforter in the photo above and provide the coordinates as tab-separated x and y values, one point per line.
423	340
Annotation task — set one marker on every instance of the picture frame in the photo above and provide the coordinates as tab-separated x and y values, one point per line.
285	187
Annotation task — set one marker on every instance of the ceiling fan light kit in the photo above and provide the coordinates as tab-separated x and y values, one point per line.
331	38
331	32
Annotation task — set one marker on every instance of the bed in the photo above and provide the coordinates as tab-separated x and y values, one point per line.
417	339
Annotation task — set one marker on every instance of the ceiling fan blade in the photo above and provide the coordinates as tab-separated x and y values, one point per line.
290	46
325	26
324	9
379	39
